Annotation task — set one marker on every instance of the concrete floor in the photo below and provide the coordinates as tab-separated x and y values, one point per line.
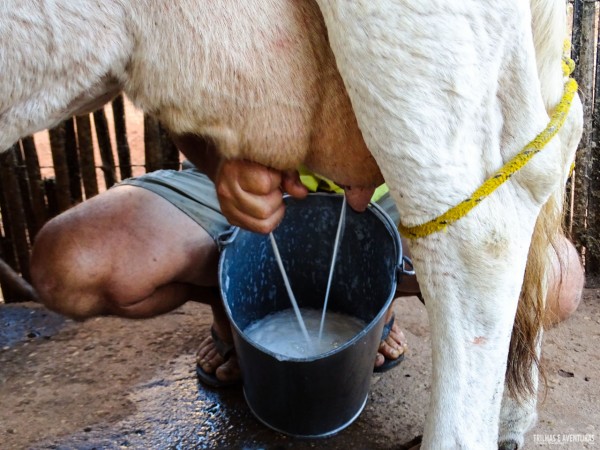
116	384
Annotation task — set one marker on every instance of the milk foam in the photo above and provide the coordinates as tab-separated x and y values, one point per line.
280	333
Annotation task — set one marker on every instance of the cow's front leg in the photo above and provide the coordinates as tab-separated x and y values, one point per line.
471	278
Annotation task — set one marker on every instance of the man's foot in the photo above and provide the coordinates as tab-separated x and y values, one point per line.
216	361
392	347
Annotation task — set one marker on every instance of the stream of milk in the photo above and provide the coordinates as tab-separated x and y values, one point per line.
317	344
336	245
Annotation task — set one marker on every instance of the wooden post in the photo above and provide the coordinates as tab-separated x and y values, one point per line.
123	153
23	181
170	153
14	210
50	189
72	159
61	168
85	144
36	185
106	153
592	256
576	34
7	250
576	11
152	144
584	75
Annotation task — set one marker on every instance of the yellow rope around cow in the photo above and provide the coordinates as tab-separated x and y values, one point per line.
490	185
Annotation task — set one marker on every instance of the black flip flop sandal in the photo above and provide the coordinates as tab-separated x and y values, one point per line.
225	350
388	364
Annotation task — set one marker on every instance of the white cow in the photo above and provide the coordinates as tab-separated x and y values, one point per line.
444	93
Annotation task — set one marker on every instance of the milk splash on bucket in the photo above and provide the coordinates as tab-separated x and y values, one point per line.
279	332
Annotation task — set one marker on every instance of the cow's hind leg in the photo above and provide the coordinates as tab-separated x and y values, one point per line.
516	418
518	414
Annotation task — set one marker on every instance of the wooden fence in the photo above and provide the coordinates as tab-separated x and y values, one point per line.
28	198
84	161
583	218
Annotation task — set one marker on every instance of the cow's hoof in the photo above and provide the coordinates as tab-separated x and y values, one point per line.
508	445
415	444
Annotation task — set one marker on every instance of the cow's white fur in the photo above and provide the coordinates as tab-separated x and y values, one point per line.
444	93
450	92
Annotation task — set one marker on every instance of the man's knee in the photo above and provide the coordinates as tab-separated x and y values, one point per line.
65	273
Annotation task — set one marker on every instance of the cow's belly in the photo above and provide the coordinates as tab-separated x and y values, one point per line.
265	87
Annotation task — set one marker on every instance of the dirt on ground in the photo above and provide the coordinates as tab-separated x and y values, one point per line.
112	383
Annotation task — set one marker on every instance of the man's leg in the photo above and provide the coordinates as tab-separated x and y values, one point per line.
126	252
131	253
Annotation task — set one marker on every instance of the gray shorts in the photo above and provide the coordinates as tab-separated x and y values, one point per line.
194	194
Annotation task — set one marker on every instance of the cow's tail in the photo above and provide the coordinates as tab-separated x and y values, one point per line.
523	357
549	32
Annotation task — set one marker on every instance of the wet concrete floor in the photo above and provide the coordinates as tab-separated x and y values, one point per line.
110	383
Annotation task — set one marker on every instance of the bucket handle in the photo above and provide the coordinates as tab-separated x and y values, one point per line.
406	267
227	237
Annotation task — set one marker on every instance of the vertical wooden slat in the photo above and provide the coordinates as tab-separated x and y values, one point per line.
15	210
73	161
576	34
123	153
576	7
170	154
85	144
7	250
61	168
36	185
106	153
592	258
152	144
51	198
584	74
23	180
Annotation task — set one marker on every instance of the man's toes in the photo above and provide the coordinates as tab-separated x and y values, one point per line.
229	370
379	359
392	351
397	339
211	361
394	344
206	346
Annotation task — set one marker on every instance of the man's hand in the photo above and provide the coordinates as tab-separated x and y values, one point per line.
251	195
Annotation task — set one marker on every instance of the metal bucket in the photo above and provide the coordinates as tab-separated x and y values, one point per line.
321	395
